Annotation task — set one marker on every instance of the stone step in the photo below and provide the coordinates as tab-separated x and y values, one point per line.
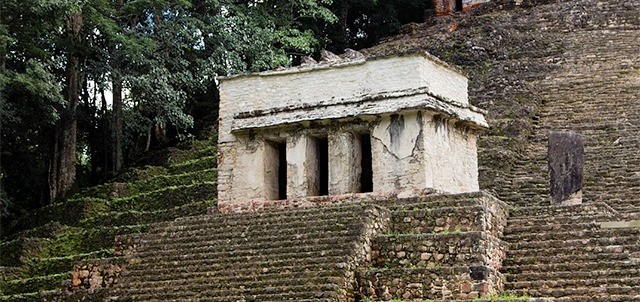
117	218
572	235
578	258
22	297
535	221
226	271
237	281
166	198
555	211
324	247
563	266
633	297
628	281
216	267
258	226
545	228
237	244
173	176
595	242
258	217
34	284
201	292
591	292
181	155
439	201
55	265
72	211
574	250
570	275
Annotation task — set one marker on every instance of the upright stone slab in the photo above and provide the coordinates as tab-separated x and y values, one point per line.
566	162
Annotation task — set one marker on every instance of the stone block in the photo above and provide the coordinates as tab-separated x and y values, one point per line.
566	164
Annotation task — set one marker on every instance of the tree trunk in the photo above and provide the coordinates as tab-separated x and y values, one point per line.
118	120
106	138
117	158
62	172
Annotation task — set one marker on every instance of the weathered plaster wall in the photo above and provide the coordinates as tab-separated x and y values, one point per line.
451	155
420	150
399	161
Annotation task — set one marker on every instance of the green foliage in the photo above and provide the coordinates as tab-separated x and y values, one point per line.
362	23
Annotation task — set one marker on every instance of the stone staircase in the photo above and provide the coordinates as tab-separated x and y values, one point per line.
294	255
565	254
40	249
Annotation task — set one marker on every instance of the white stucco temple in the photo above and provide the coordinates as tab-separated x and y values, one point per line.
387	125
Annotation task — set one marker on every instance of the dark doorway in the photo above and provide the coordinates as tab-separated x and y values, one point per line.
459	5
282	171
322	148
366	178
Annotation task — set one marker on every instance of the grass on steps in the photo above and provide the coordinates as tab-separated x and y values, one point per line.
123	189
46	244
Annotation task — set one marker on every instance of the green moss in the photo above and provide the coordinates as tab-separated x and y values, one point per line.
170	197
11	252
23	297
69	212
121	190
56	265
141	173
34	284
134	217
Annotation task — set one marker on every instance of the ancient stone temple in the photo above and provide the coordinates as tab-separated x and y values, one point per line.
398	125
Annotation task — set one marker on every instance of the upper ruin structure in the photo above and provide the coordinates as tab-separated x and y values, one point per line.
387	125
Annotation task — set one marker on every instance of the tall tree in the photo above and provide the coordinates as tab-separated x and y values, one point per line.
62	171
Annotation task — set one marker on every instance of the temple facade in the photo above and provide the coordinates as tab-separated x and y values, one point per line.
398	125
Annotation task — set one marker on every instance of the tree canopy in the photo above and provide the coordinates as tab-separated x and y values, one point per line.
61	60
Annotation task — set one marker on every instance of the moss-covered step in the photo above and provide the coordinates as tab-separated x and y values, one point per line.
133	217
82	241
56	265
23	297
73	242
34	284
123	189
69	212
166	198
179	154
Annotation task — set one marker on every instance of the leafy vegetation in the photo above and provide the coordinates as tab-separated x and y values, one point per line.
88	88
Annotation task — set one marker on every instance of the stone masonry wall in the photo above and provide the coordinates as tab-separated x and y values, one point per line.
444	248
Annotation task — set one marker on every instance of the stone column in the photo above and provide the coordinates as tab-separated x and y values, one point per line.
344	163
566	162
302	167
